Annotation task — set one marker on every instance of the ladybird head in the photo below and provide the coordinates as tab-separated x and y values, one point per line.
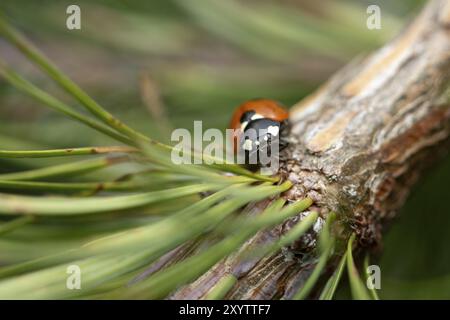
258	125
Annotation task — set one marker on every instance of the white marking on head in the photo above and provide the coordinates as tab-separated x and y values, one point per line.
248	145
256	116
273	130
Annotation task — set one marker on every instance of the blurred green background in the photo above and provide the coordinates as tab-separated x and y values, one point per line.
163	64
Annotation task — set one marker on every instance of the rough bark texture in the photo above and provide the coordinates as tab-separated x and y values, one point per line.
362	138
357	146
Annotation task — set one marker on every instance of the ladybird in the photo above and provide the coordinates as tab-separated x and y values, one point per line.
257	124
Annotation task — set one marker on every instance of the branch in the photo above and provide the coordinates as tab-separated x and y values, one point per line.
357	146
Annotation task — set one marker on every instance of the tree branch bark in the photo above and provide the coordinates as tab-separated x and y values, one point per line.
357	146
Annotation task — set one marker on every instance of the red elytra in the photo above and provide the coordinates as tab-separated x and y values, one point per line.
269	109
